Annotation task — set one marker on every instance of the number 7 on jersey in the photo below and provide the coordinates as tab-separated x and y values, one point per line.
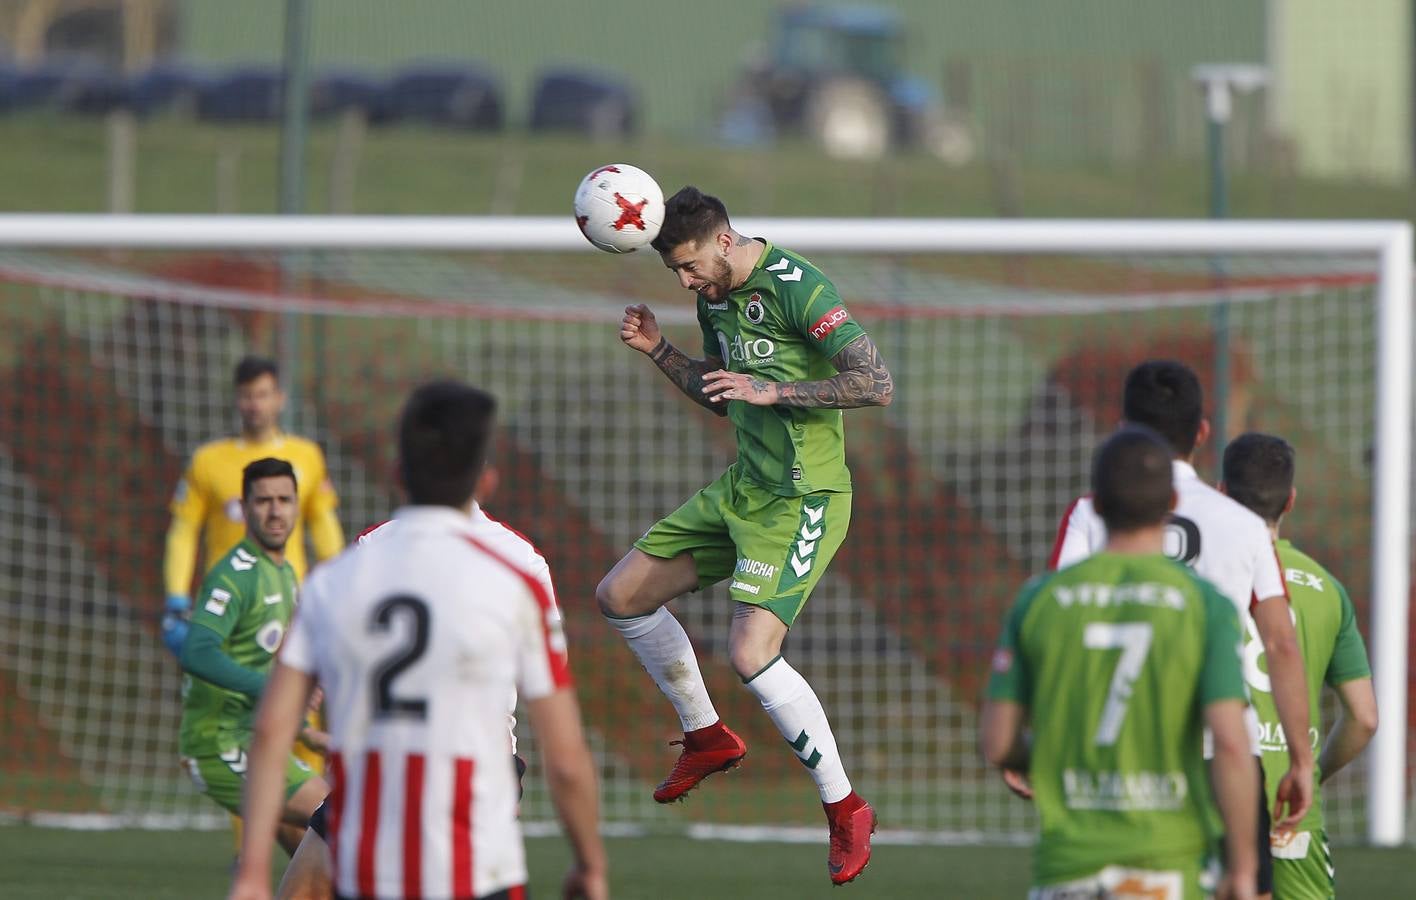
1133	639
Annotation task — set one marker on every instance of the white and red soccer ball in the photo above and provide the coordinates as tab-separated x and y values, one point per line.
619	208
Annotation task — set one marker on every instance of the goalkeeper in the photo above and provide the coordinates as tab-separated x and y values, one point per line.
207	503
781	358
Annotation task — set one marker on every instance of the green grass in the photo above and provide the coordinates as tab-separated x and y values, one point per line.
58	163
51	864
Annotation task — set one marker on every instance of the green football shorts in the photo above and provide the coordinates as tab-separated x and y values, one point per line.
775	548
221	777
1302	866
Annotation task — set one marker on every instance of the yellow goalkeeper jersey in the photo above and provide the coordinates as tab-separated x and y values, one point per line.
208	499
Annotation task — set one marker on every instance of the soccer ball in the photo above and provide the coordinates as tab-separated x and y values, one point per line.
619	208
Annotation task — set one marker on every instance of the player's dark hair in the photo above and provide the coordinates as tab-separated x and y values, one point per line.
1165	396
690	215
1132	484
270	467
252	367
1258	472
443	437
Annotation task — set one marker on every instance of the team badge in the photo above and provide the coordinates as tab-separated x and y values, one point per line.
1002	660
754	310
233	510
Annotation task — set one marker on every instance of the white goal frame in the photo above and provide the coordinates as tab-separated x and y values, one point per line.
1390	242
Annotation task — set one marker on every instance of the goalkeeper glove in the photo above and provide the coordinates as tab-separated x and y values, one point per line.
174	622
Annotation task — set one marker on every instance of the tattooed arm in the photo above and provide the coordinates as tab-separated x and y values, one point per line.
861	380
687	373
640	331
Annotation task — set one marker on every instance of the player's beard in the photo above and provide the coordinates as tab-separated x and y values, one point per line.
276	545
721	280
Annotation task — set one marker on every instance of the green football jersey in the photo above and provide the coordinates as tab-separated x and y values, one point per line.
1115	659
248	600
1333	652
783	324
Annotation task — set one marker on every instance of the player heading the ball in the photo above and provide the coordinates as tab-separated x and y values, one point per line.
781	358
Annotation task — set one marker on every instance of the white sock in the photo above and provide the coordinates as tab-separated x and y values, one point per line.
667	655
798	715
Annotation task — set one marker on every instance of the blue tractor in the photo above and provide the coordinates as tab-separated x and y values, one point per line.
835	75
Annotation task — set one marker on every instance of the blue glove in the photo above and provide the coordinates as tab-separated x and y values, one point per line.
174	622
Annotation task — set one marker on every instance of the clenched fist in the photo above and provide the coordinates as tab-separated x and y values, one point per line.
639	329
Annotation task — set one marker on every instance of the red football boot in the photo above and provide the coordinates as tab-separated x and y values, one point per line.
852	823
705	751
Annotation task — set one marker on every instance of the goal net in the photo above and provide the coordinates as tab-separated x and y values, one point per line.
1008	344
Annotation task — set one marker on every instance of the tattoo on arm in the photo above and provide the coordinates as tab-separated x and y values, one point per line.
863	380
687	373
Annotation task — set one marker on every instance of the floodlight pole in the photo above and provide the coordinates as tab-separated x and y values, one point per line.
294	130
1218	83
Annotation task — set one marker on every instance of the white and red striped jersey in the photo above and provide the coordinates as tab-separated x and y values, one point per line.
418	638
507	541
1225	542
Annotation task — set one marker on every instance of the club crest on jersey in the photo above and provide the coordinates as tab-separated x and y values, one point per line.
1002	660
755	310
233	510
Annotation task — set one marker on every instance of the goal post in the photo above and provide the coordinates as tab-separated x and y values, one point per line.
936	288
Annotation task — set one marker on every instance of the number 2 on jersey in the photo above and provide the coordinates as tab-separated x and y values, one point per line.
386	705
1133	639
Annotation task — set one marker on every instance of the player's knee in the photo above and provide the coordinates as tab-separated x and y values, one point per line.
613	599
750	657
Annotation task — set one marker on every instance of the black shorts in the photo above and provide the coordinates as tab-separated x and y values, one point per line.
317	822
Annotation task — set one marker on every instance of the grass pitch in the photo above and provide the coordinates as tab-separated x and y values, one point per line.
52	864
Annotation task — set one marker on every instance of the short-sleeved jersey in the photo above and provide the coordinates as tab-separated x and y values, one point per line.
1115	659
209	494
1226	543
784	323
510	543
1333	652
249	600
418	638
